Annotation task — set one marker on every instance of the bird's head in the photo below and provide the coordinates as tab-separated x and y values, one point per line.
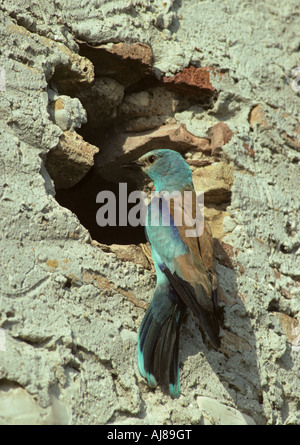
167	169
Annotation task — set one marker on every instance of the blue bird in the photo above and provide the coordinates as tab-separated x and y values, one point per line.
185	272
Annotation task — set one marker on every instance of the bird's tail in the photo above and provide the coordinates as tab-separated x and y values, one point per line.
158	341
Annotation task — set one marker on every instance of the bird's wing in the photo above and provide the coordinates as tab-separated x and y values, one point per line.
188	263
194	231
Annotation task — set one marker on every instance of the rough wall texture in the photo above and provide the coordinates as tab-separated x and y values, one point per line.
71	307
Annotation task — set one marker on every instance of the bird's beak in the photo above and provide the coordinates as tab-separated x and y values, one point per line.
133	164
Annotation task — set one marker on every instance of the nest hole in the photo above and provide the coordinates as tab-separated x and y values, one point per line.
81	200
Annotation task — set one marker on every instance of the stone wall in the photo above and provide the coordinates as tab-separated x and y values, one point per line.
88	86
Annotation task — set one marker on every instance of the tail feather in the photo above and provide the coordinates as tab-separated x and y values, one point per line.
158	341
174	384
187	295
166	360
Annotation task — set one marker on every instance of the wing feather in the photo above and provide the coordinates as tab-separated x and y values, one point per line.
188	262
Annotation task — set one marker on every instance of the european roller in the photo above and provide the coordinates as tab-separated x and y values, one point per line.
185	271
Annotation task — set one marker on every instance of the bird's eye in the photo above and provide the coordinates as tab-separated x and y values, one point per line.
151	159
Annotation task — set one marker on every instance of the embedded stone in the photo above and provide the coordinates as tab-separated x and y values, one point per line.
215	181
217	413
220	134
258	117
70	161
191	82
